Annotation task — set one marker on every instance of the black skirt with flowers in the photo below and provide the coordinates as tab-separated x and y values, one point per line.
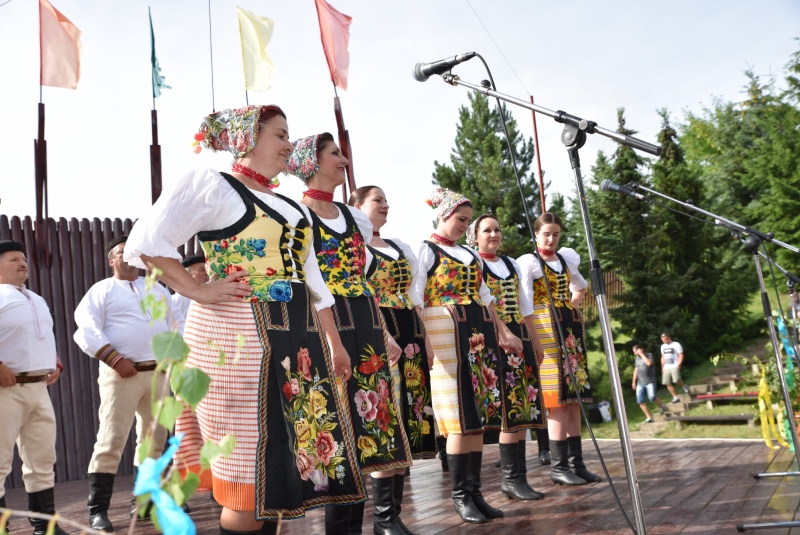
413	380
381	442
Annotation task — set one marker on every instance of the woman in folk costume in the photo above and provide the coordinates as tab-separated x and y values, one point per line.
391	273
522	404
465	333
560	394
340	237
294	440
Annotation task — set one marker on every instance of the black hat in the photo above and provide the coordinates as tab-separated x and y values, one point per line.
7	246
116	241
193	259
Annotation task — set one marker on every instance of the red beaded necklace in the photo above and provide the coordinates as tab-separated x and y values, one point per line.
546	252
488	256
255	175
443	239
318	195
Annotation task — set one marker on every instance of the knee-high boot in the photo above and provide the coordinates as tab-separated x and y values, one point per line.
543	441
512	485
575	460
487	510
356	518
523	467
385	516
337	519
397	496
43	502
559	469
461	480
101	487
441	445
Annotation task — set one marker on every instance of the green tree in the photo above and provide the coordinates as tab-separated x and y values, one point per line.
481	169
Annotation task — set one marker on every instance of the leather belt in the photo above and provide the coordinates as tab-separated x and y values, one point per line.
27	379
147	366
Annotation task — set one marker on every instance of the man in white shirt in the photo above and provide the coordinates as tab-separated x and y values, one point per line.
113	329
671	362
195	265
28	365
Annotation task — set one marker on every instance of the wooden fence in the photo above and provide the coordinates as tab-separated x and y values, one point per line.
65	258
613	289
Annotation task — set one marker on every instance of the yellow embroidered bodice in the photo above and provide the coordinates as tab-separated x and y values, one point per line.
451	282
342	257
391	279
263	244
505	292
559	286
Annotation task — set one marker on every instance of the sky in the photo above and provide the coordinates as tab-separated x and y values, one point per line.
585	57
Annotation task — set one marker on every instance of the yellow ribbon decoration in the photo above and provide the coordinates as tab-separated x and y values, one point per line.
767	416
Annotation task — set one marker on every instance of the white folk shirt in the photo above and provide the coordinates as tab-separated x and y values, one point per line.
671	352
25	346
181	303
110	313
427	257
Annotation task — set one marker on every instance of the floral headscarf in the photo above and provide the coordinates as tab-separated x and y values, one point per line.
303	161
472	231
446	202
234	130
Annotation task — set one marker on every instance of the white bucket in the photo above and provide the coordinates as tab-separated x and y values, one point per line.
605	410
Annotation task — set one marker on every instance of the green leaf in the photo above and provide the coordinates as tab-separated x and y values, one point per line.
192	386
227	444
190	484
171	408
146	447
212	345
169	347
210	451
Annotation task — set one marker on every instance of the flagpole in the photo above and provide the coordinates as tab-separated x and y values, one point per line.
155	148
538	159
40	166
344	145
211	54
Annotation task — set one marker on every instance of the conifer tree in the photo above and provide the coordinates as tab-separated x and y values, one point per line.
481	169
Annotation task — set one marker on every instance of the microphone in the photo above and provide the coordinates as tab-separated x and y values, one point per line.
423	71
625	190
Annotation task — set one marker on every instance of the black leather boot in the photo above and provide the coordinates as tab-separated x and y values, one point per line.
397	497
512	485
385	518
487	510
356	518
101	486
559	469
523	467
543	441
461	480
223	531
441	445
43	502
337	519
269	528
575	460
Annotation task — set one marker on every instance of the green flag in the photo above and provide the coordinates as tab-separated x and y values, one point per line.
158	80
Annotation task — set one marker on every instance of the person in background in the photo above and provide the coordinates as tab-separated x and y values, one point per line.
28	365
671	362
644	381
195	266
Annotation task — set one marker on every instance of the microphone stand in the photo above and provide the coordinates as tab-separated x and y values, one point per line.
573	137
752	243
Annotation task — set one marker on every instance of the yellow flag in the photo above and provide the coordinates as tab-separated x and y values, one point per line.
255	33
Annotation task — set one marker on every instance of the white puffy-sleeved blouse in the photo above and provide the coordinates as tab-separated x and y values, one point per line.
427	256
500	270
391	252
204	201
532	270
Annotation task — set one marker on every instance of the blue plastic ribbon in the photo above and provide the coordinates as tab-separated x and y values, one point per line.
789	349
173	520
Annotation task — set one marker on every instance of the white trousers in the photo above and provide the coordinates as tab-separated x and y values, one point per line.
122	400
29	420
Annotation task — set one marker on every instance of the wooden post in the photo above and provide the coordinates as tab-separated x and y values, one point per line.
40	174
155	159
538	159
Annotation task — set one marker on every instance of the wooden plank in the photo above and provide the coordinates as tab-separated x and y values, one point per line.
33	259
5	227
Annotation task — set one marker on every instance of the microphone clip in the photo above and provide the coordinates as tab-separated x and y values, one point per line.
450	78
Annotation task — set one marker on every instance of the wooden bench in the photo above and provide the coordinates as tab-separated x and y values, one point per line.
722	419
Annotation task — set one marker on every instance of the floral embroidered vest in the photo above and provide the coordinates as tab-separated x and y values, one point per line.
263	244
451	282
559	286
505	292
342	257
391	278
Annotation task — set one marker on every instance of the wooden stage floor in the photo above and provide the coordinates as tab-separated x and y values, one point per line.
699	487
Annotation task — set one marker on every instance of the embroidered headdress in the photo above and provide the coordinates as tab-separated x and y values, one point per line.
234	130
446	202
472	231
303	161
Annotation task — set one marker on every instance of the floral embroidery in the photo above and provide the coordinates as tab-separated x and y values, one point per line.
577	361
391	281
342	262
483	362
375	406
319	456
453	283
420	419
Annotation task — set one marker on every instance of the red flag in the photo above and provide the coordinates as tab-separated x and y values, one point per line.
60	48
334	29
